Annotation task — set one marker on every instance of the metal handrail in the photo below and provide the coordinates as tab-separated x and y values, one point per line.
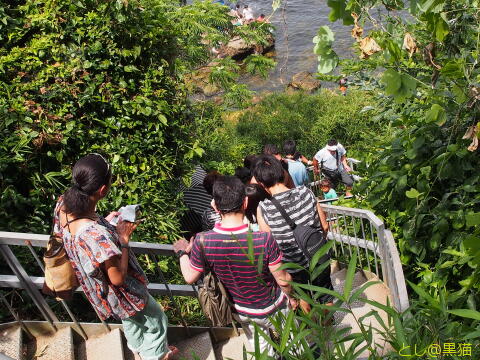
381	246
40	240
32	284
350	228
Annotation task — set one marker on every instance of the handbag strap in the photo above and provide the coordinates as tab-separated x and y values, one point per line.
202	251
280	208
71	221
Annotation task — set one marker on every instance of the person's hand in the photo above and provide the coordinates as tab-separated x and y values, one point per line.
110	216
325	232
125	230
182	244
293	303
347	168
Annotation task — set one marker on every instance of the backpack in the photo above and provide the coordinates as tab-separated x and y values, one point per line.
213	296
309	239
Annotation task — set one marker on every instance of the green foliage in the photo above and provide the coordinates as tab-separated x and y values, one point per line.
327	58
431	320
341	10
257	64
425	182
107	77
88	76
310	120
401	86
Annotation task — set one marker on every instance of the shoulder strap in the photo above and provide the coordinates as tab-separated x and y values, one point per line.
71	221
202	250
321	163
280	208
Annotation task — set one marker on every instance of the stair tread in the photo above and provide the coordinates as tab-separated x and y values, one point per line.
58	346
338	280
197	347
11	342
233	348
377	292
105	347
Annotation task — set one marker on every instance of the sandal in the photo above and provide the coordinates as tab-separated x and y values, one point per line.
171	353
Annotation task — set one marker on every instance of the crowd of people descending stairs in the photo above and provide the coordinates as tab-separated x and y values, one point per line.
225	214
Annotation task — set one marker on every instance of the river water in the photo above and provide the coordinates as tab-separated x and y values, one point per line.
295	29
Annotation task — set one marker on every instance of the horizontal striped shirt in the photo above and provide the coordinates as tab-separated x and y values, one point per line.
254	291
301	205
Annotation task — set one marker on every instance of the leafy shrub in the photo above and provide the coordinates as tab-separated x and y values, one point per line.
425	182
106	77
429	325
308	119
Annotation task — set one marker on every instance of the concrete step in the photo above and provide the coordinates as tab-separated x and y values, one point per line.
338	280
233	348
108	346
377	292
198	347
57	346
11	343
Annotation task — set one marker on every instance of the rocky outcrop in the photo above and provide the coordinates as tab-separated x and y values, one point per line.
239	49
304	81
198	81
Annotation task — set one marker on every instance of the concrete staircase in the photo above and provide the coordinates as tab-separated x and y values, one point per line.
66	344
376	292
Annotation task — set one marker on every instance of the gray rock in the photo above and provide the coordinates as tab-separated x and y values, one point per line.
304	81
238	48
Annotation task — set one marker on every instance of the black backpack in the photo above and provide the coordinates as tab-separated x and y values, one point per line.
309	239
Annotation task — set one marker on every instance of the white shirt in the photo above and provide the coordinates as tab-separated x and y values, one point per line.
247	14
328	161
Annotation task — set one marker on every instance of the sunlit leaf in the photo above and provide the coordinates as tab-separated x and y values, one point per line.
436	114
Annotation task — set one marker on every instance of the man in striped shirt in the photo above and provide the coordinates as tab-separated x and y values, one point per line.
234	254
302	207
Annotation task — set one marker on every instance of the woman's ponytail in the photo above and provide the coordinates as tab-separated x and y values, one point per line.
88	175
76	201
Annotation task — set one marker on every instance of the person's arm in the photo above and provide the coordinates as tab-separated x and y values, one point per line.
282	277
189	273
316	170
261	221
191	276
117	266
323	218
304	160
345	164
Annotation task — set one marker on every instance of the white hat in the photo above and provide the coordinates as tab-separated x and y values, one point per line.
331	147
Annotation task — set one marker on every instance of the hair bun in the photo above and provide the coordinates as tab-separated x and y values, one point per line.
79	189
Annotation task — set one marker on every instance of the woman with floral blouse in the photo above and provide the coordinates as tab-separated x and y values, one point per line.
106	268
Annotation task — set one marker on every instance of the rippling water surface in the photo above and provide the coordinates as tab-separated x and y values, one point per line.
295	29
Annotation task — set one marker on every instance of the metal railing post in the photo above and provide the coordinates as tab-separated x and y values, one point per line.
28	285
15	315
170	294
64	304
